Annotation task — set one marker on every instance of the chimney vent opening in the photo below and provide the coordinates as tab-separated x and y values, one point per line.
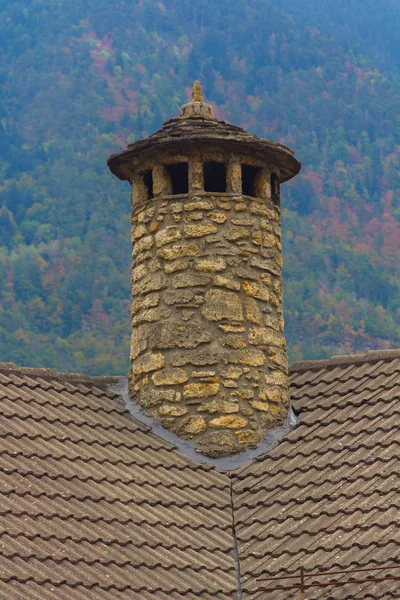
179	176
214	177
249	179
275	189
148	182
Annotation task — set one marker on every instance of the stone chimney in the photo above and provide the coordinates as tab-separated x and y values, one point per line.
208	354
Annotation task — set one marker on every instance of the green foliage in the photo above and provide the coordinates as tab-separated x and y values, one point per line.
79	80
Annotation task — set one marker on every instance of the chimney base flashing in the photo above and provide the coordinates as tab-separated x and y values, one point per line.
222	464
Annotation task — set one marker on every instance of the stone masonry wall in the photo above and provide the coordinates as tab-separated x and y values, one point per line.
208	351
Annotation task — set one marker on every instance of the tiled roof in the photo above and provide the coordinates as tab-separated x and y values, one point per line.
93	505
328	497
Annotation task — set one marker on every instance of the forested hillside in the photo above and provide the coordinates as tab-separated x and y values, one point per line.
79	80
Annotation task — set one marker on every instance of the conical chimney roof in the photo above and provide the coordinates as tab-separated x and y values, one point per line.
197	124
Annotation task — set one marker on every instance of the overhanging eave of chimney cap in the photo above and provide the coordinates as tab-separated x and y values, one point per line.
192	132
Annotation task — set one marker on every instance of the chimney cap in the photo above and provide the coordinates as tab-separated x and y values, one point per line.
196	125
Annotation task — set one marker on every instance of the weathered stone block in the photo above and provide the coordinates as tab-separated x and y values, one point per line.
151	315
236	233
276	378
275	321
178	251
233	341
218	443
229	383
176	265
153	226
210	264
167	236
176	207
138	273
203	373
232	372
149	397
252	373
222	406
199	229
229	421
278	411
256	290
224	205
140	258
217	217
139	232
242	222
182	296
153	265
200	390
244	393
139	383
148	362
258	209
273	394
260	405
233	328
247	437
254	358
263	336
220	304
200	205
193	216
143	302
151	283
170	376
199	357
227	282
172	410
189	279
252	311
192	425
138	341
175	334
244	272
144	243
267	421
279	357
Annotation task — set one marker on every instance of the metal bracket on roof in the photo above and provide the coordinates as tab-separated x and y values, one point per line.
303	586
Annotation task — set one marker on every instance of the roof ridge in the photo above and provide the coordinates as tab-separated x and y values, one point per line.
344	360
9	367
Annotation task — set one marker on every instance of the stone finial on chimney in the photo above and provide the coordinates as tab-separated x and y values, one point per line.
197	93
196	108
208	353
